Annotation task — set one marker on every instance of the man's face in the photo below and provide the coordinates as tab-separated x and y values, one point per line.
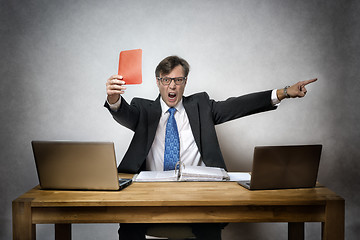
172	93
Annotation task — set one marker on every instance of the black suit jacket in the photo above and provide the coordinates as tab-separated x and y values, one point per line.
142	116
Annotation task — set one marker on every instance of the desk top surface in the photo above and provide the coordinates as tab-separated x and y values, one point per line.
180	194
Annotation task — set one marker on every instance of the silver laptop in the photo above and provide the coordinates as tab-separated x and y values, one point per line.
77	165
278	167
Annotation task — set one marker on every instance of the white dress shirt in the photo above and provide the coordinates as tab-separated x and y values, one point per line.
189	152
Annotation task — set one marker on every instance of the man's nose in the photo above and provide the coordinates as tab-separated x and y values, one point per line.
172	84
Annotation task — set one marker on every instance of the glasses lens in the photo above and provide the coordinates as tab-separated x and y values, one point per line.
179	80
166	81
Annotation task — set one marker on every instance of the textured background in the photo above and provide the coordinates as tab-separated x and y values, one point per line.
57	55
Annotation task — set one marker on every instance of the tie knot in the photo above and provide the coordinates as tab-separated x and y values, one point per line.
172	111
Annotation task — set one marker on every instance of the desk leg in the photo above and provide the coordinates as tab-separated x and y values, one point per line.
21	218
334	226
63	231
296	231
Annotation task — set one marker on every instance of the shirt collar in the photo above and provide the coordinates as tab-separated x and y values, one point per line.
164	108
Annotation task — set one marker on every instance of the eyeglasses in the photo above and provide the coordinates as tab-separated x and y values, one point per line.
166	80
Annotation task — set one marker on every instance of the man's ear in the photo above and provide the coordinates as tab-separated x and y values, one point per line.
157	82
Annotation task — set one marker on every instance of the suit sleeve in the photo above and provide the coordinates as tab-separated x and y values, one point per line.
127	115
236	107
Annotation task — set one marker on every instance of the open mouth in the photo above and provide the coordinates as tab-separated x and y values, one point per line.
172	95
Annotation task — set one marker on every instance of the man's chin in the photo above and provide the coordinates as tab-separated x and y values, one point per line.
171	103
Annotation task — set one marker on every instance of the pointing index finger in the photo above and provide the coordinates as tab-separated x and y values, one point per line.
306	82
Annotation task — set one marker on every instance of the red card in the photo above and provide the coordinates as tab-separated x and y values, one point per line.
130	66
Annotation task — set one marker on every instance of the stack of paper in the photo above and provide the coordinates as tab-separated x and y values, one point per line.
156	176
198	173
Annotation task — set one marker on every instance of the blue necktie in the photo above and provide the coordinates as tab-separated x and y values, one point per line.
172	143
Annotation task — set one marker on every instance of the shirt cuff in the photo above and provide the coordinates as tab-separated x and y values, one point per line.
115	106
274	99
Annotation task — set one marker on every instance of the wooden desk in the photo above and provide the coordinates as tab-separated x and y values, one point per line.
179	202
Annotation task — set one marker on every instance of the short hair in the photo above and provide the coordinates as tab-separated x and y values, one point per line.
169	63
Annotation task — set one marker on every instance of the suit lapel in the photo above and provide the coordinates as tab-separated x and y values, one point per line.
154	115
192	112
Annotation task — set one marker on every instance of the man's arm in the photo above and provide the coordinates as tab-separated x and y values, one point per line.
125	114
233	108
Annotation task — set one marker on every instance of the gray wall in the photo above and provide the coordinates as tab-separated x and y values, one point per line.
57	55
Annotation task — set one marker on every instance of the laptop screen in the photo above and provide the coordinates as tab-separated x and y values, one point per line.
76	165
276	167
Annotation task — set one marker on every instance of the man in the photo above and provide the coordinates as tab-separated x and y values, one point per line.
191	121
